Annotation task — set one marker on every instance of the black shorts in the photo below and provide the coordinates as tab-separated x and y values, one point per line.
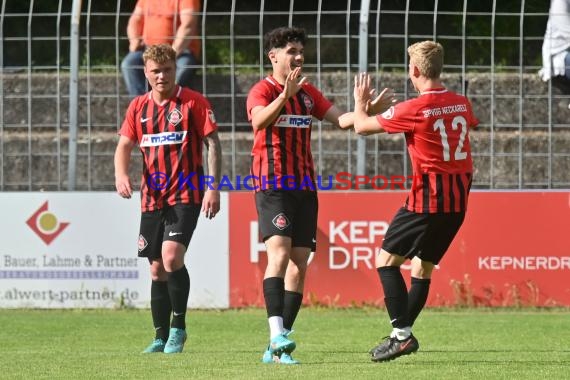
175	223
291	213
426	236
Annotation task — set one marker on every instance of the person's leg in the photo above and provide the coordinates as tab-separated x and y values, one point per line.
401	341
184	69
304	241
275	225
401	241
419	289
278	254
178	281
178	291
181	221
150	243
278	251
439	233
395	292
292	298
294	285
427	237
133	73
160	305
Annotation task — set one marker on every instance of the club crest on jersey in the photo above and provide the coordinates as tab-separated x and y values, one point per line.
293	121
308	102
164	138
174	117
142	243
280	221
389	113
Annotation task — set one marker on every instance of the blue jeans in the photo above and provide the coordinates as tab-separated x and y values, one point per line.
133	73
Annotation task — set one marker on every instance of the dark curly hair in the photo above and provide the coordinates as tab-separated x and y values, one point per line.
280	37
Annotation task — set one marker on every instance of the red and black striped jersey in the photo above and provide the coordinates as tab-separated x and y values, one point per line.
170	137
281	155
436	126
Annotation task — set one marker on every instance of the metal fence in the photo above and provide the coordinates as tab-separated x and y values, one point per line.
521	143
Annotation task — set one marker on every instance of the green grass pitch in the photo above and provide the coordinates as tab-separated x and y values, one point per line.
331	344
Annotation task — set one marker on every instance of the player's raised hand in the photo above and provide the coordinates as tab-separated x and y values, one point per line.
292	83
362	91
382	102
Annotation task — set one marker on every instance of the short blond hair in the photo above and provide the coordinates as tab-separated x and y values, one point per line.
161	54
428	57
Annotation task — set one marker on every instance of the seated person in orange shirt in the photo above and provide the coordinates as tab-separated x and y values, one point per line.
174	22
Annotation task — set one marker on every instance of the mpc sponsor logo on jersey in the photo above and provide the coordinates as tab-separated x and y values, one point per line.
293	121
164	138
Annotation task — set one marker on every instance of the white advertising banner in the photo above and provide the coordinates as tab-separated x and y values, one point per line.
79	249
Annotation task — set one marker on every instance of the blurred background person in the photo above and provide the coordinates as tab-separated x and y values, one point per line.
173	22
556	46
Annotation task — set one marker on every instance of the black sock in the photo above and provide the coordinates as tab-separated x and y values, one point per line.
291	305
395	295
179	289
273	292
417	297
160	309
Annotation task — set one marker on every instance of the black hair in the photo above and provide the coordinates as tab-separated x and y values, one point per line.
280	37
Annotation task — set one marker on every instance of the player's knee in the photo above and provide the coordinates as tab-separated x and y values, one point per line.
297	270
421	269
157	272
386	259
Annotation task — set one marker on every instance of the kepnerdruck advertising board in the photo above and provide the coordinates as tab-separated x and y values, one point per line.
512	250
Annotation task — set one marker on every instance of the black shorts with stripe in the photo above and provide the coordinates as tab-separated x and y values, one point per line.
173	223
426	236
291	213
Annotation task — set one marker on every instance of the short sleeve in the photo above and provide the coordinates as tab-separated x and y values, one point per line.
397	119
193	5
259	95
128	128
203	116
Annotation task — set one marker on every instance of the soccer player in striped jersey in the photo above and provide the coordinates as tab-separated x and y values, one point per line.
170	124
280	108
436	127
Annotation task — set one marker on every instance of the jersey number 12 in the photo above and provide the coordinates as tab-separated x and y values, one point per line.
455	123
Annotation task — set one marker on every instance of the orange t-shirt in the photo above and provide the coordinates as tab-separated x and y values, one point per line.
161	21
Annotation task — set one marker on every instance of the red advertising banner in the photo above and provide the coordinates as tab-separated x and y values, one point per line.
512	250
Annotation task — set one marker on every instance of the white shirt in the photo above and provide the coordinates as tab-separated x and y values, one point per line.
556	40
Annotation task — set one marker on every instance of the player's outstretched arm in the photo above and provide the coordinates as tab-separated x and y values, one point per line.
211	201
338	118
122	160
